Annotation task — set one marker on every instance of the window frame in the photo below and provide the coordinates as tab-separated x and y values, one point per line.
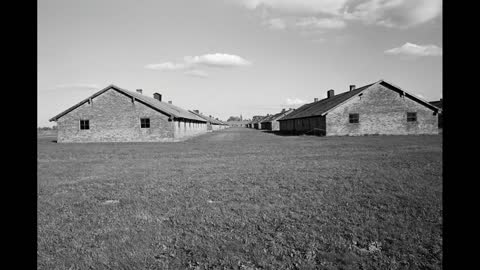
410	117
145	122
352	118
84	124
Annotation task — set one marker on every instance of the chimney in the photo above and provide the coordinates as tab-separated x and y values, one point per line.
169	102
283	110
197	111
315	99
139	91
352	87
157	96
330	93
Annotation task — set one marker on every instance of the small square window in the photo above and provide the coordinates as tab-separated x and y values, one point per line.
84	124
411	117
145	122
353	118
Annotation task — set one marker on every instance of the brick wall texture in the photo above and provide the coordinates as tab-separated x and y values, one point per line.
113	117
381	111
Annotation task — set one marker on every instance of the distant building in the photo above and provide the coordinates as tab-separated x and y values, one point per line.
212	123
377	108
114	114
271	122
255	118
243	123
256	123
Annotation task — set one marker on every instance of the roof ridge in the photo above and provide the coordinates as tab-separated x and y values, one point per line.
323	105
158	105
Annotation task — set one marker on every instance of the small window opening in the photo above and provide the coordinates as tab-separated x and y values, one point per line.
411	117
84	124
353	118
145	122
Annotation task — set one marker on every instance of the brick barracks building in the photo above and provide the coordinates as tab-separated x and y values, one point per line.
114	114
377	108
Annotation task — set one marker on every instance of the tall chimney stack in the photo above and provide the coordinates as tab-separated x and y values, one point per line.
157	96
352	87
139	91
315	99
330	93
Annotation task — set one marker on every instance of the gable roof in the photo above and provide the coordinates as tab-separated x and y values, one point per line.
166	108
260	119
208	118
256	118
266	118
276	116
322	107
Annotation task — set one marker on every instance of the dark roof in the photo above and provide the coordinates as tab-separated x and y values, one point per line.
260	119
208	118
323	106
438	103
276	116
266	118
166	108
256	118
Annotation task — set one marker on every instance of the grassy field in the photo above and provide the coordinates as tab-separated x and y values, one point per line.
242	199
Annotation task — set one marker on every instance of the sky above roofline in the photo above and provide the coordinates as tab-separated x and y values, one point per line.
235	57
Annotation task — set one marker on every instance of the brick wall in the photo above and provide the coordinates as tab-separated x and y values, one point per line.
381	111
114	118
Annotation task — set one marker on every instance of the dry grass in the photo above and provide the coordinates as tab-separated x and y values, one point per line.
242	199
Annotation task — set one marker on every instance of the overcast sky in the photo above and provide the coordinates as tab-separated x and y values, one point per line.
232	57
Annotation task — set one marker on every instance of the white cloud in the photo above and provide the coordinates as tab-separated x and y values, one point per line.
168	66
388	13
217	60
411	49
396	13
77	86
196	73
276	23
298	6
322	23
294	101
191	63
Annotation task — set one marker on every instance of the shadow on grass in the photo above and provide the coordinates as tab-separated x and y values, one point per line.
283	133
